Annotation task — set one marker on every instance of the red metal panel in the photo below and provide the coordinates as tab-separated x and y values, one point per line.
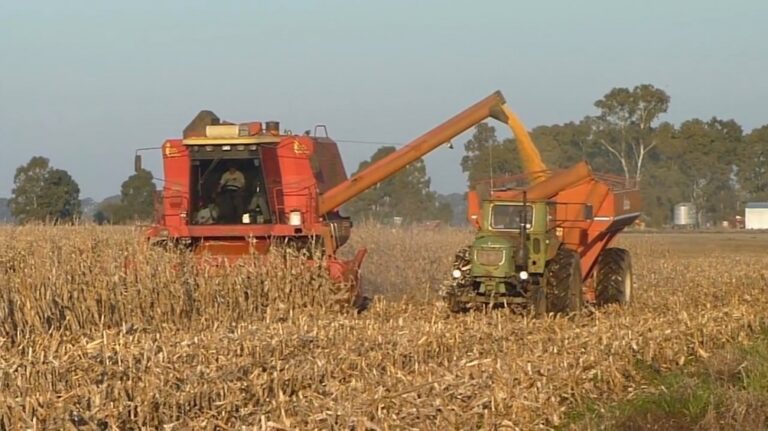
176	188
231	249
272	179
327	164
249	230
299	188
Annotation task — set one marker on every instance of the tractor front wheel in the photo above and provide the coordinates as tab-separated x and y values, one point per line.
614	277
454	305
562	283
452	287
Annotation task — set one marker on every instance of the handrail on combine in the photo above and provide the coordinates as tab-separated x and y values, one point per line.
280	192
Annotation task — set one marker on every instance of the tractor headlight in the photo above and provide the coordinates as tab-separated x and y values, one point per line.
456	273
523	275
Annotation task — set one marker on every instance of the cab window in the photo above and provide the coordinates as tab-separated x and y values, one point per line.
509	217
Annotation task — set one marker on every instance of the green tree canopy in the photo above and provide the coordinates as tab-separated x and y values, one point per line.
137	196
44	193
705	153
487	156
137	201
753	165
406	194
625	125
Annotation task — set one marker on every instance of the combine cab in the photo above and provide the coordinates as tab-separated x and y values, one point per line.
235	189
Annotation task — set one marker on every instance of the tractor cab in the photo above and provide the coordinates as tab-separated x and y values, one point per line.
509	216
512	241
516	238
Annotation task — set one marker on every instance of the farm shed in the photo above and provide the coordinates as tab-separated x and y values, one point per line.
756	215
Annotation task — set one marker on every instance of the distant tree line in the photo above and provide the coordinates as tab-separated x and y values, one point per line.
43	193
712	163
405	195
136	204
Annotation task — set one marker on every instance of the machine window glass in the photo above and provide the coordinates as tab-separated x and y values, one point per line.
229	191
508	217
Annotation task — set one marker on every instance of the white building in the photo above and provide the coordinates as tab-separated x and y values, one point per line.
756	215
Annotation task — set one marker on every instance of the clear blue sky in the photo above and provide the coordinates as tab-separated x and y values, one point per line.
86	82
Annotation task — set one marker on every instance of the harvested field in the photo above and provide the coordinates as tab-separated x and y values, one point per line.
88	341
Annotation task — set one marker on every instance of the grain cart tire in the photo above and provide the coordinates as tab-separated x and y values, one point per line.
614	277
562	284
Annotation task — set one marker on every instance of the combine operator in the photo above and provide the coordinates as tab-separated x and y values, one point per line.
230	191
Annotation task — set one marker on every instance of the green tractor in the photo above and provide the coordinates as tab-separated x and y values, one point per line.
549	253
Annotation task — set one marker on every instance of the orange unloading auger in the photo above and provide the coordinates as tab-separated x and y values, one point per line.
493	106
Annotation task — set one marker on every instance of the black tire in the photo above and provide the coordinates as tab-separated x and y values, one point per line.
613	279
454	305
562	285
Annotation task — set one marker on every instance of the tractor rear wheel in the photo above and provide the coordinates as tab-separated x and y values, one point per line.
614	277
562	285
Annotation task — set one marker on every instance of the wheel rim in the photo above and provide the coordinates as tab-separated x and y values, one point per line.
575	290
627	294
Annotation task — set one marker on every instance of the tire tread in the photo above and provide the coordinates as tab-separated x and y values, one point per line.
613	266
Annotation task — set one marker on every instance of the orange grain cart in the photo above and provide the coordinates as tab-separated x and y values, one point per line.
546	244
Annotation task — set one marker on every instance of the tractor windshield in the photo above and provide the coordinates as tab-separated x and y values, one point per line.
509	217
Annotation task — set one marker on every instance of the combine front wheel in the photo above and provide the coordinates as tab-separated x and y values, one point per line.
614	277
562	285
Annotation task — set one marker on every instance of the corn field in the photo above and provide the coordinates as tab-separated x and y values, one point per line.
98	331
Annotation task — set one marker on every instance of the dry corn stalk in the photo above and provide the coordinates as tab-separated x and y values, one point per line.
87	341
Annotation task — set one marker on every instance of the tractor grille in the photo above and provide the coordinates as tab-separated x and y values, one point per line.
489	256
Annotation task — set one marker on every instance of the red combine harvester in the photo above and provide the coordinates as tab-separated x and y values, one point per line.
234	189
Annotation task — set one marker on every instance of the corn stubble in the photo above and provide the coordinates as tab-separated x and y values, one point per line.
98	331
